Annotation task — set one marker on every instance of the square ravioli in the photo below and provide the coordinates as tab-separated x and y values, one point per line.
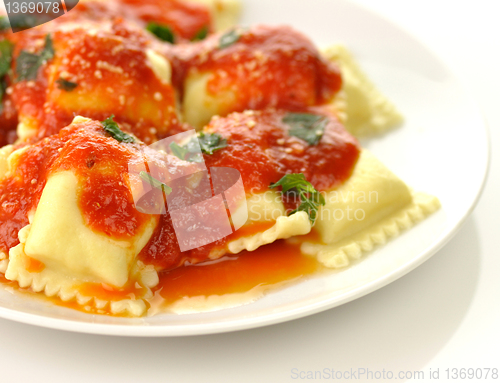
158	158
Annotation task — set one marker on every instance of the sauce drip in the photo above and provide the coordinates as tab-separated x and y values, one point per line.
268	265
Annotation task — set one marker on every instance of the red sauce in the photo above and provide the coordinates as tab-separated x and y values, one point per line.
272	67
184	18
34	265
110	293
163	250
267	265
8	121
113	76
105	200
20	193
269	66
261	149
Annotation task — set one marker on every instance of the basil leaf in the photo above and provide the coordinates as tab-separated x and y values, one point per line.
28	63
310	198
66	85
4	23
229	38
306	126
112	128
6	48
163	32
202	34
179	151
212	142
189	152
3	89
208	143
155	183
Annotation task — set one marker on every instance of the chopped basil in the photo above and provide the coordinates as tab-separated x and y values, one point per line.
6	48
28	63
112	128
4	23
21	22
178	151
211	142
163	32
188	152
310	198
202	34
155	183
306	126
66	85
229	38
208	143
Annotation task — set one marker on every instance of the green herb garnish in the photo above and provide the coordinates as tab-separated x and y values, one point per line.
306	126
211	142
179	151
66	85
112	128
6	48
208	143
201	35
189	152
310	198
229	38
28	63
155	183
4	23
163	32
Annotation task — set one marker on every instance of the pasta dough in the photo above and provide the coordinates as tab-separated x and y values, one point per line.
363	109
225	13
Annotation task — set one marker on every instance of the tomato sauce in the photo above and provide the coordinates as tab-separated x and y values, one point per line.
262	150
268	265
274	69
269	66
96	158
112	75
186	19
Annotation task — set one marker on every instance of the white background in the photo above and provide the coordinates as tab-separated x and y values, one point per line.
445	314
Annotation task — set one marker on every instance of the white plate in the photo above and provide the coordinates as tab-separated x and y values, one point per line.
442	149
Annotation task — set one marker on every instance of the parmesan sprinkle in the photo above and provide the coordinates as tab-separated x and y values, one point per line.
107	66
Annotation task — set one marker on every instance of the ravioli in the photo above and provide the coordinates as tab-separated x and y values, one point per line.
364	110
94	70
257	68
371	207
225	13
92	216
61	248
